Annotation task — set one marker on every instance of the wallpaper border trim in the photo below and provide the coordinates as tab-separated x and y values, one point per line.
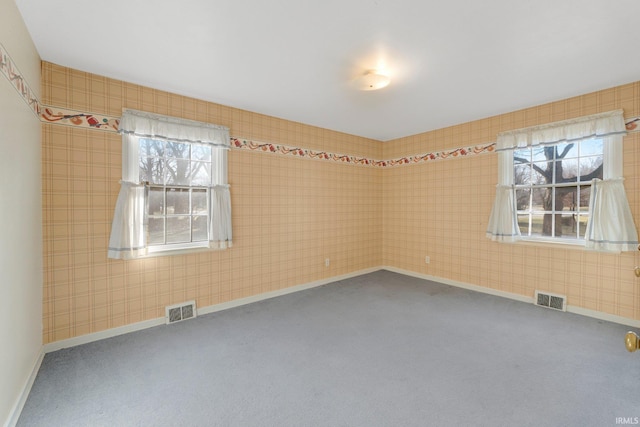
62	116
10	70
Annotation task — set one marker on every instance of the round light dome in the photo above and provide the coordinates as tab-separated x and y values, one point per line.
372	80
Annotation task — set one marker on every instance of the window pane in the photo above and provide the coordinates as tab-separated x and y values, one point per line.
156	231
572	153
523	224
151	170
177	150
155	205
569	169
523	197
178	229
199	232
537	177
537	154
201	174
540	198
582	224
567	199
522	174
178	172
522	155
585	198
199	201
201	152
591	147
569	226
536	224
177	201
589	165
150	148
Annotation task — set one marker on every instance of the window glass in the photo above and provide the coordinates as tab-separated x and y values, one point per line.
552	188
178	175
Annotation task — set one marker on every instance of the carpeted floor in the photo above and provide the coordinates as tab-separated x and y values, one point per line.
381	349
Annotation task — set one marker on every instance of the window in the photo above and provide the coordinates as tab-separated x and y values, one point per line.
552	187
174	193
562	182
177	177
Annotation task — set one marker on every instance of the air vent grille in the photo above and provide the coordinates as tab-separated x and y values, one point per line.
553	301
179	312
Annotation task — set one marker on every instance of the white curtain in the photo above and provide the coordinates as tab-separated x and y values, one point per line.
610	225
220	236
128	238
503	224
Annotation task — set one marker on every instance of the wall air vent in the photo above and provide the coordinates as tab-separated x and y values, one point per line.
553	301
178	312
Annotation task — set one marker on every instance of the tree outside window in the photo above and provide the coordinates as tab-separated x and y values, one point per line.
552	187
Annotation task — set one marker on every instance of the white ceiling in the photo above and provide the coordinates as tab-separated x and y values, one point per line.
450	61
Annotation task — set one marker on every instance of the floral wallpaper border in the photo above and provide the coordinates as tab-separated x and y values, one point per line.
61	116
10	70
95	121
55	115
78	119
268	147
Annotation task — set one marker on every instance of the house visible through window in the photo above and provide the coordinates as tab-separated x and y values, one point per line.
552	187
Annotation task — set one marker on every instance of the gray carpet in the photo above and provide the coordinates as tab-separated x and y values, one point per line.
381	349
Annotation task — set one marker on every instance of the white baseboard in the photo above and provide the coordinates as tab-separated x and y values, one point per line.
15	412
457	284
603	316
96	336
570	308
281	292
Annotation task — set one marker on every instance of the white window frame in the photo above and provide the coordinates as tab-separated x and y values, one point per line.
130	232
164	183
577	239
610	227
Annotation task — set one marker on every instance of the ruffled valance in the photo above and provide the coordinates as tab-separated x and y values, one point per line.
148	125
572	130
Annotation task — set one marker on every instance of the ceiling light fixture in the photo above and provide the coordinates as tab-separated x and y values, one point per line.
372	80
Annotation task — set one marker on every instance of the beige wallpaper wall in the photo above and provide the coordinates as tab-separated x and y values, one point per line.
291	213
441	210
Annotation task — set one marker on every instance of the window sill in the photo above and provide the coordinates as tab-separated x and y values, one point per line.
157	252
573	245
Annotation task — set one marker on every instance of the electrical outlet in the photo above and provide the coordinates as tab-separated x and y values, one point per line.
427	259
326	262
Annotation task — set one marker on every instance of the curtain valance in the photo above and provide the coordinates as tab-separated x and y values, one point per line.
596	125
148	125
